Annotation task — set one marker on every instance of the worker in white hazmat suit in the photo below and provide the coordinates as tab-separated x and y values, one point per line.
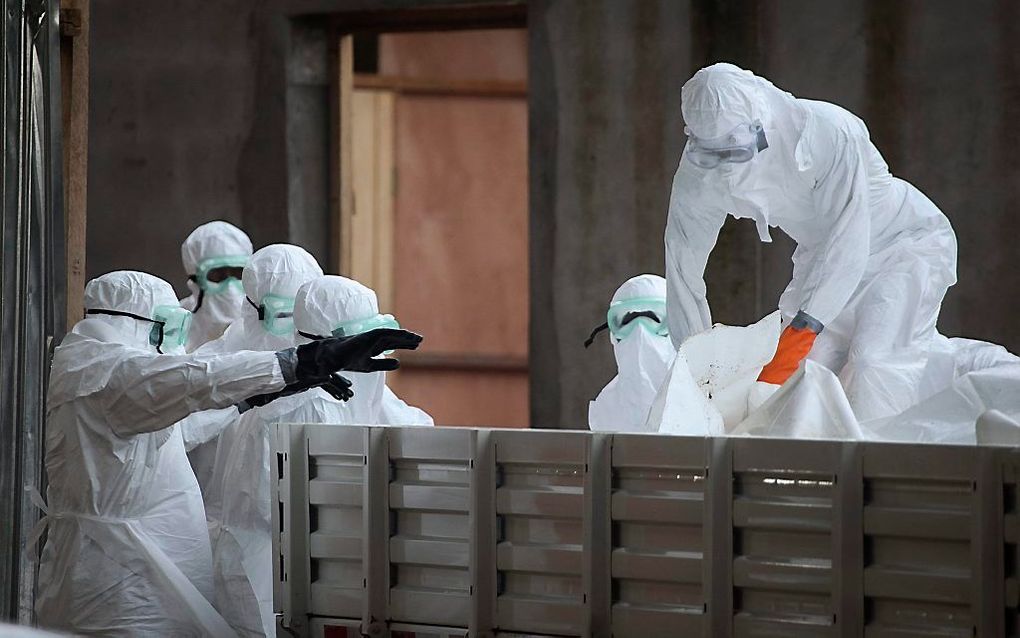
874	256
243	550
127	551
637	325
271	278
214	255
338	306
270	281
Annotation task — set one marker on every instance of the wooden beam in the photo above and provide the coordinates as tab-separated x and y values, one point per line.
343	210
430	86
459	362
74	71
506	14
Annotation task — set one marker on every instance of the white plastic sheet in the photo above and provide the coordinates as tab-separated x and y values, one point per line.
971	394
706	391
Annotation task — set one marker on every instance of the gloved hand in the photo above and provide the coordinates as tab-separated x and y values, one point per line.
318	359
794	345
337	386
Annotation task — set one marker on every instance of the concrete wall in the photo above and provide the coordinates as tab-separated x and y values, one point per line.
216	109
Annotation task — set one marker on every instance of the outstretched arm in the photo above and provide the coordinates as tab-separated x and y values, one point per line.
147	392
691	233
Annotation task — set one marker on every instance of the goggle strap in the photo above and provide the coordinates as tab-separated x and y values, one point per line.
201	298
594	333
131	315
260	309
119	313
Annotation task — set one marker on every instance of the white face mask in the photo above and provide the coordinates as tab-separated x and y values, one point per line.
643	358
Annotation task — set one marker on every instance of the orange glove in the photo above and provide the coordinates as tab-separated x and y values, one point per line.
794	345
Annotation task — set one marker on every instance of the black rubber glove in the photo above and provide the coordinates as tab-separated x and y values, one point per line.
319	358
337	386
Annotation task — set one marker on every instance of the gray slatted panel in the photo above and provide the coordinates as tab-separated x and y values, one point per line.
336	458
804	537
783	542
657	509
919	501
290	532
429	537
540	508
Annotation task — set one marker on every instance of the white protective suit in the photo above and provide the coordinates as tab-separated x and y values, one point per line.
128	552
212	312
874	256
643	360
323	304
278	269
243	551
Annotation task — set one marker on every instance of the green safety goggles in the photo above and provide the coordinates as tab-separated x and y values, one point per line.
358	326
623	317
170	327
648	313
218	274
276	314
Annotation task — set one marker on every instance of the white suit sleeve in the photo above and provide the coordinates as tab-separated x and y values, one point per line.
202	427
146	393
691	234
832	273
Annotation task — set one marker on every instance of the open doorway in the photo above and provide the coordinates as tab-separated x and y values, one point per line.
435	216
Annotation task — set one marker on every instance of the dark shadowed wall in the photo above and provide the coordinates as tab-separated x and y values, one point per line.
220	109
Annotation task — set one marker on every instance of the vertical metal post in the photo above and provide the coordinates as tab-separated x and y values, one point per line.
375	541
597	535
717	555
987	550
848	542
482	520
291	441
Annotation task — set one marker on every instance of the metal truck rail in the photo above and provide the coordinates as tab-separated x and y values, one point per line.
453	532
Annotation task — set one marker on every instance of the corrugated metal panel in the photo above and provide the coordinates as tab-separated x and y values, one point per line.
31	277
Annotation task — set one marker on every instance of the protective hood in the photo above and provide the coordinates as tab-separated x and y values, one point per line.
642	361
128	291
325	302
640	287
720	97
278	269
214	312
213	239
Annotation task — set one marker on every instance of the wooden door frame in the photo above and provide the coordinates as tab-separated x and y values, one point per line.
343	26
